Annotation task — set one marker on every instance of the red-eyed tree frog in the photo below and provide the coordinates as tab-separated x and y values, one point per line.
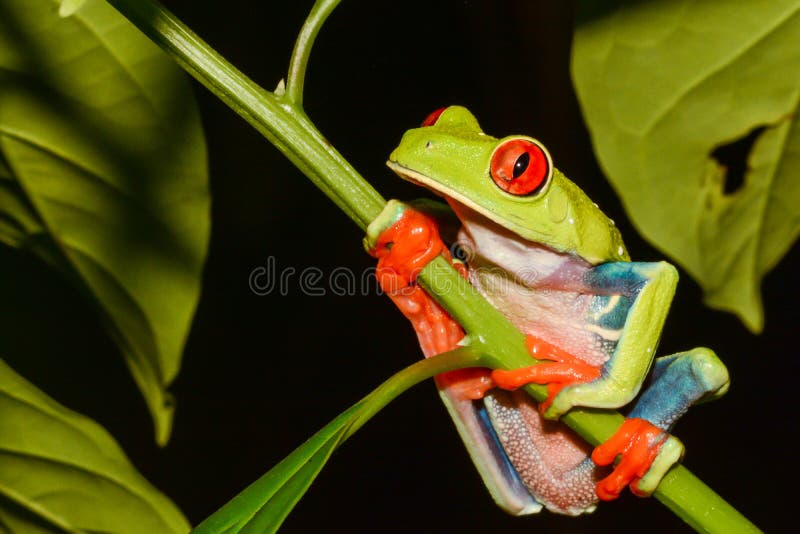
540	251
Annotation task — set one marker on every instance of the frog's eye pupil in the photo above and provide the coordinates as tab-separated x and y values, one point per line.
521	164
521	167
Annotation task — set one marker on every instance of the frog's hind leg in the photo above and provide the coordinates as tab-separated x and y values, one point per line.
548	458
679	381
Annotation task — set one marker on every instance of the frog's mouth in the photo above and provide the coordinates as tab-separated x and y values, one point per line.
420	179
454	198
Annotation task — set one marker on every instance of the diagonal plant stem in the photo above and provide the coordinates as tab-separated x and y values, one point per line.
275	117
279	117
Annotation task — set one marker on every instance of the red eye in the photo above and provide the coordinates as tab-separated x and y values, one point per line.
431	119
521	167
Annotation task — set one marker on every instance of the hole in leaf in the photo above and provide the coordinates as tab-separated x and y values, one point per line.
733	158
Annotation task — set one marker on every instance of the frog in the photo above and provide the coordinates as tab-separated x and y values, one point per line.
543	254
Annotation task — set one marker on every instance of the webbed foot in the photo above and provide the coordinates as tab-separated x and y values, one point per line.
561	370
646	454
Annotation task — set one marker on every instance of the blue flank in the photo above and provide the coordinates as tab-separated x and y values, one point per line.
509	473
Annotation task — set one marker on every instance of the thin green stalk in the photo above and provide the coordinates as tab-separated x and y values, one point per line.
412	375
253	508
279	120
283	123
302	49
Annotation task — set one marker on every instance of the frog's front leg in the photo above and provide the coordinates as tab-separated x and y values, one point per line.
405	238
651	287
678	382
634	326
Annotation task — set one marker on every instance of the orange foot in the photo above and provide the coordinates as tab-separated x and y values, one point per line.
563	369
470	384
638	442
403	249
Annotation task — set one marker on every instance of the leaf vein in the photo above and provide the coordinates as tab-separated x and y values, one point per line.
725	62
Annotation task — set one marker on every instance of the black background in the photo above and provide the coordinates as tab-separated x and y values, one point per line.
262	373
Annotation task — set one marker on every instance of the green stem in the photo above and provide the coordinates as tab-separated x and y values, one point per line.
302	49
412	375
284	124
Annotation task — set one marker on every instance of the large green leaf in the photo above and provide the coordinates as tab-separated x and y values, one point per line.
662	85
60	471
103	173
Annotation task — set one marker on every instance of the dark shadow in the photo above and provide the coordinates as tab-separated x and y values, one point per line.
587	11
22	515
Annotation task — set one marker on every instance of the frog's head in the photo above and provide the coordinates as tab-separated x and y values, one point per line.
511	181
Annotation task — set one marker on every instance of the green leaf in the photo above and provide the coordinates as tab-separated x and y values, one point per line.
662	85
263	506
103	174
62	472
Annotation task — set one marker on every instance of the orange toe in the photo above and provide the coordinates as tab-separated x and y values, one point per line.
637	442
558	370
